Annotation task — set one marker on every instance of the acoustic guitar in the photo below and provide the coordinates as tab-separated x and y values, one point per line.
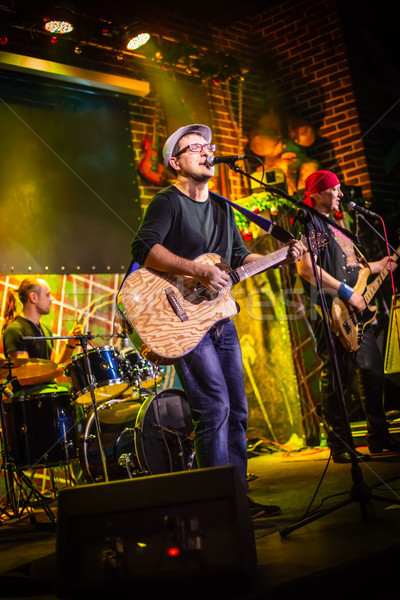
167	315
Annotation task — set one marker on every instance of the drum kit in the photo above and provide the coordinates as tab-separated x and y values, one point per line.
114	423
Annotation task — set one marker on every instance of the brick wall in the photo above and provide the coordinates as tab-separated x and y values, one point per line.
306	58
296	58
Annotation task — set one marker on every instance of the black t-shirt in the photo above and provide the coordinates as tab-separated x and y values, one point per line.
21	327
339	257
188	228
12	342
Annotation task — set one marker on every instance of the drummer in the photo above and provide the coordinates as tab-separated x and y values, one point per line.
36	298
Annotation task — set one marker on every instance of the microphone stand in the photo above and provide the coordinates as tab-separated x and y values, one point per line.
83	341
360	491
298	203
361	216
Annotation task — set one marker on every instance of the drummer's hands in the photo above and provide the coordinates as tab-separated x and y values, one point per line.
76	330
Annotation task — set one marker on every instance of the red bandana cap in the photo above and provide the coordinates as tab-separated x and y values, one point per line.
319	181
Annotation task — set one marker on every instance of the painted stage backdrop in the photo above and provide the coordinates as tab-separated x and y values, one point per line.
262	323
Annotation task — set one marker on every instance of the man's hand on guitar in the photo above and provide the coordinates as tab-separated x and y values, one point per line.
357	302
378	266
212	277
296	251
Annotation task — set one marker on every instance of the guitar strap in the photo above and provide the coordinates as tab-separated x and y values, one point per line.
265	224
361	256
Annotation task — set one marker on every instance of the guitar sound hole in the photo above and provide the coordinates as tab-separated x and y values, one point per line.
204	293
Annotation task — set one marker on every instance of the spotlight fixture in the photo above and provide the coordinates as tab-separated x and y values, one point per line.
59	20
134	36
58	27
137	41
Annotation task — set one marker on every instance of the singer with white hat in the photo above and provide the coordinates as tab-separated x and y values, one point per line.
182	222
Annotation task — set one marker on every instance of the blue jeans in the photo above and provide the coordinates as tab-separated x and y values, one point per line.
212	378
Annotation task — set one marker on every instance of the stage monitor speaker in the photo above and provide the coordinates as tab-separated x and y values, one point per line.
189	529
392	354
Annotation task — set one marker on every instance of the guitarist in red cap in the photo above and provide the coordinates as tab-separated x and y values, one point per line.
338	267
182	222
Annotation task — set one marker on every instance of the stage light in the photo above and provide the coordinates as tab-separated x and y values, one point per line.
137	41
59	19
58	27
134	36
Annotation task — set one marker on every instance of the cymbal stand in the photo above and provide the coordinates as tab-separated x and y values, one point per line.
83	340
15	477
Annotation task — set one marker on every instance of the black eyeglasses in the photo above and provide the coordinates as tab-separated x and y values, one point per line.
196	148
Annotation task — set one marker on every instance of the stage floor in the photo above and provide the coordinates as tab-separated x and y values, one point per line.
345	553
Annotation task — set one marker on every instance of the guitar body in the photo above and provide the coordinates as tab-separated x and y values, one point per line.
349	324
149	166
167	315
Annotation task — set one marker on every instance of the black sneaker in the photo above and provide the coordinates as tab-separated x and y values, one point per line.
262	510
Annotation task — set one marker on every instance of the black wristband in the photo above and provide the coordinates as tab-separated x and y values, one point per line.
71	347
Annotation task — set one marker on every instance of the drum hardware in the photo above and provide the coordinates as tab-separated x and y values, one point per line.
14	477
141	373
140	439
180	437
83	341
84	344
127	460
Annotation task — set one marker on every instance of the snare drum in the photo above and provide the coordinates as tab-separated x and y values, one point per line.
107	371
41	430
139	439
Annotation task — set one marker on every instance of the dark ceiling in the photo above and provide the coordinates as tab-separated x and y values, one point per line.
221	13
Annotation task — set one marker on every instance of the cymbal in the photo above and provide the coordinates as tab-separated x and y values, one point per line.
26	368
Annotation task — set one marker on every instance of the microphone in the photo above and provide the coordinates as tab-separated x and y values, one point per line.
212	160
362	210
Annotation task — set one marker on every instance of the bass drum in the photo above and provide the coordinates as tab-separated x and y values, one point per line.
163	433
41	430
139	439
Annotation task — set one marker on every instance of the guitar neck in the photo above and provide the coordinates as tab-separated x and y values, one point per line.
260	264
376	283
